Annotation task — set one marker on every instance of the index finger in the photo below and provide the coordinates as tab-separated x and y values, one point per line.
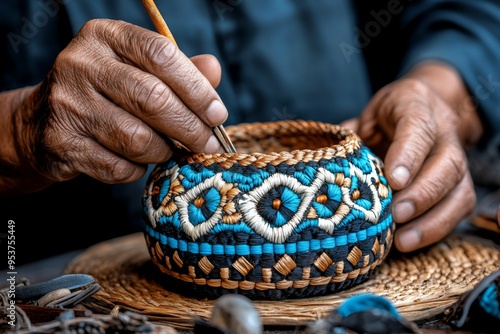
401	116
159	56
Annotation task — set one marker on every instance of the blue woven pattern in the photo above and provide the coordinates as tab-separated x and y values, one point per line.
228	226
490	299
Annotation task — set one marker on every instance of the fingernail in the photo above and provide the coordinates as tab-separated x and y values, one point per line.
403	211
401	175
216	113
212	145
409	240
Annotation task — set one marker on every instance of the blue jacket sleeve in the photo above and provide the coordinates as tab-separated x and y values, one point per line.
466	35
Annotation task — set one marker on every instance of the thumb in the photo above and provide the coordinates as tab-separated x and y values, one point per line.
209	66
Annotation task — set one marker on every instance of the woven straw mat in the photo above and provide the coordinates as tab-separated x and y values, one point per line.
421	285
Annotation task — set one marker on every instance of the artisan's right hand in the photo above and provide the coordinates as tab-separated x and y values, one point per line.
116	98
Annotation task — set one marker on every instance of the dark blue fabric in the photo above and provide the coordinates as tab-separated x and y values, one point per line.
284	58
281	59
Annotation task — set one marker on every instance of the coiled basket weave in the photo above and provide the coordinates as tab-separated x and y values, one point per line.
302	210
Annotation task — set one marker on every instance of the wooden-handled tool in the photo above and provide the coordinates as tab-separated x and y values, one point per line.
161	26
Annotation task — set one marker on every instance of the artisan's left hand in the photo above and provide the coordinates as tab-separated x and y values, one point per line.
420	125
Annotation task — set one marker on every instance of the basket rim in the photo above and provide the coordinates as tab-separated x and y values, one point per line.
348	143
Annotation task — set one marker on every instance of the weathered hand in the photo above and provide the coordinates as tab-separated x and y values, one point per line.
420	138
115	99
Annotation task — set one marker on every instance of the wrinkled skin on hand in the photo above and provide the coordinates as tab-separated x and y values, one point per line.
115	100
421	139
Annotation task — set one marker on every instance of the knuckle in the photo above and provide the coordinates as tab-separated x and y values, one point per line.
457	162
101	27
416	86
118	171
136	140
163	53
153	96
420	118
453	156
431	190
90	26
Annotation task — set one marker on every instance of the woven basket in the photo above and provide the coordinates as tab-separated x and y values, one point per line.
307	215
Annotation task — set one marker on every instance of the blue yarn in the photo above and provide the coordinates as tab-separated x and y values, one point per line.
372	231
290	203
386	203
361	160
306	224
364	166
218	249
353	215
279	249
173	243
354	182
173	220
328	243
268	248
230	177
242	250
239	227
290	199
192	177
489	301
352	238
343	168
164	188
195	215
193	247
229	250
365	302
322	210
256	249
306	176
169	164
162	220
341	240
279	220
183	247
212	200
361	235
334	194
207	249
303	246
163	239
364	203
245	182
315	245
291	248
